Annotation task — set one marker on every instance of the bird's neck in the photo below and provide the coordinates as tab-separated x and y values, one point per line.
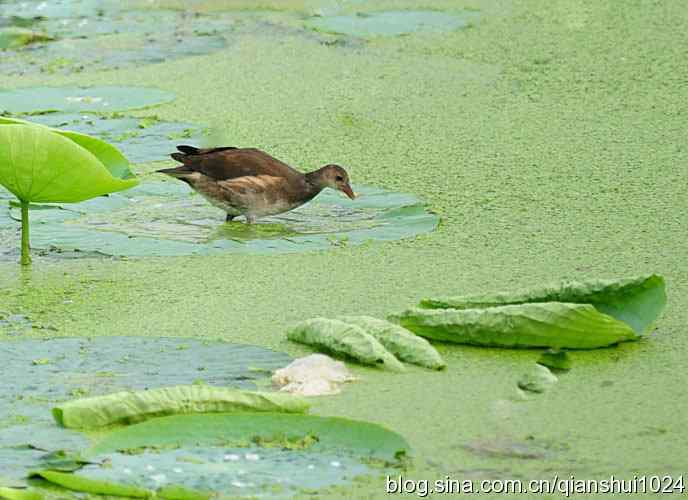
315	182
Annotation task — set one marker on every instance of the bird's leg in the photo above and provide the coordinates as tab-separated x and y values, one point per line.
250	219
229	218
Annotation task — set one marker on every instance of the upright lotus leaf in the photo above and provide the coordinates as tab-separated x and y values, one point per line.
108	154
344	339
544	324
637	301
40	165
136	406
405	345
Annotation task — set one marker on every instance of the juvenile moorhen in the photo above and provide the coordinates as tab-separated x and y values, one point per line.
250	182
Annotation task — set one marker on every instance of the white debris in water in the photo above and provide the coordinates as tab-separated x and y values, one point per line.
177	470
252	457
311	466
334	463
231	458
313	375
159	478
238	484
150	468
127	471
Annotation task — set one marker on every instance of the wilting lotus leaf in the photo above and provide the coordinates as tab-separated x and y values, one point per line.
399	341
166	218
636	301
140	139
40	374
390	23
344	339
13	37
240	454
541	324
104	99
136	406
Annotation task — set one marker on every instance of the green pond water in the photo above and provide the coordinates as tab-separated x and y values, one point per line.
548	136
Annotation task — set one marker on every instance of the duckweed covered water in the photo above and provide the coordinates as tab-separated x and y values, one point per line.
550	137
167	218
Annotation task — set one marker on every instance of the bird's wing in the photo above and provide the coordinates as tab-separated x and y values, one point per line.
253	190
231	163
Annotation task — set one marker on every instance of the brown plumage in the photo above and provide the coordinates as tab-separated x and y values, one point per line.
250	182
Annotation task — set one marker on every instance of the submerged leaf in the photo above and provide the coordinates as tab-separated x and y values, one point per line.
129	407
549	324
399	341
344	339
38	165
637	301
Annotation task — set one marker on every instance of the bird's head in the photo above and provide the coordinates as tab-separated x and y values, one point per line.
335	177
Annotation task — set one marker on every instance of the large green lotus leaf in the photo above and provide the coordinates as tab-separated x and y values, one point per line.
38	165
399	341
344	339
637	301
108	154
131	407
544	324
192	456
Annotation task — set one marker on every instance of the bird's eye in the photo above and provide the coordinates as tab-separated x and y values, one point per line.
339	178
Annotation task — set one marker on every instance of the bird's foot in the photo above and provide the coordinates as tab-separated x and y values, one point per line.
250	219
229	218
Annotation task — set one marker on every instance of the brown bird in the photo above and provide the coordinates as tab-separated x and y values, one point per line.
250	182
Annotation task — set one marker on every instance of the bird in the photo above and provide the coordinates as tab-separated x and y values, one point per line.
250	182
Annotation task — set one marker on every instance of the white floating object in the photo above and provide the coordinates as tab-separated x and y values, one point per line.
231	458
334	463
252	456
313	375
159	478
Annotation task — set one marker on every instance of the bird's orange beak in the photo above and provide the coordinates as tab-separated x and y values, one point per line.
346	189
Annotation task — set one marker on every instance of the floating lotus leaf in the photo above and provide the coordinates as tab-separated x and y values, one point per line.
390	23
194	456
103	98
167	218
